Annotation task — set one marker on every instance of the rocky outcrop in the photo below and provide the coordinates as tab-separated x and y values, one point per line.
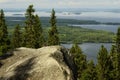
47	63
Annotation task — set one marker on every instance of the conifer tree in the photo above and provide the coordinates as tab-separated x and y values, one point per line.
114	69
117	62
53	38
118	41
29	39
103	64
17	38
90	72
38	33
112	59
33	35
117	67
4	40
115	59
79	59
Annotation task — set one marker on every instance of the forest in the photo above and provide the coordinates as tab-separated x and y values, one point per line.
67	34
32	35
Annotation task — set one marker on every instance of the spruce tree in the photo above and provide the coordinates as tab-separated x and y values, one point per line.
103	64
53	38
4	40
33	34
79	59
112	59
115	59
90	72
17	38
117	67
38	33
29	39
117	62
114	69
118	41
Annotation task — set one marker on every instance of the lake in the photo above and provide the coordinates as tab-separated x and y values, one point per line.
90	49
111	28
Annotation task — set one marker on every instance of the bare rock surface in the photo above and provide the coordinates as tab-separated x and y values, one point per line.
46	63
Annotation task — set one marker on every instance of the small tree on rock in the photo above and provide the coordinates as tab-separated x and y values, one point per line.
38	33
53	38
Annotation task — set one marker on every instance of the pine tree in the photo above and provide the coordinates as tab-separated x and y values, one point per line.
79	59
53	38
4	40
38	33
17	38
90	72
103	64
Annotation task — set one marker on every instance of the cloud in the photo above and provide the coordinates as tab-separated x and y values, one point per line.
60	3
90	3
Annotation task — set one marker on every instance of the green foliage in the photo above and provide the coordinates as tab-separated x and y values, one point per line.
118	40
117	67
17	37
83	35
28	35
116	57
103	64
68	34
53	38
114	67
38	33
79	59
4	41
112	56
33	37
90	72
108	66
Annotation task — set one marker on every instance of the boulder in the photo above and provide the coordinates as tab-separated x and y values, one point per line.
46	63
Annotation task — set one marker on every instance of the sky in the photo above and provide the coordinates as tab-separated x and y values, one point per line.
21	4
